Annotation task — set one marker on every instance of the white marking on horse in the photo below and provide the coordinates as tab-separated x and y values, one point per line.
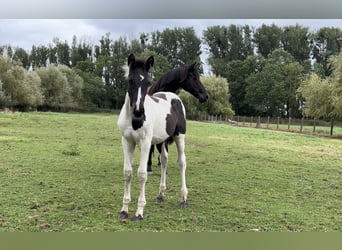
142	78
138	98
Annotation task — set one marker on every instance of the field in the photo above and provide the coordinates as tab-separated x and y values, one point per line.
63	172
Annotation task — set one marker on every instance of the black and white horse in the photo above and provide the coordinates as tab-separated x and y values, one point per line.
146	120
184	77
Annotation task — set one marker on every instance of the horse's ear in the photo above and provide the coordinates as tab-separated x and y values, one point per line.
131	59
149	62
192	67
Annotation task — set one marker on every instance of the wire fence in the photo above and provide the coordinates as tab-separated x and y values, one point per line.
307	126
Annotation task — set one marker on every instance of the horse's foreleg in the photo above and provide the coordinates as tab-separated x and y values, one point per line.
142	177
180	142
128	149
163	169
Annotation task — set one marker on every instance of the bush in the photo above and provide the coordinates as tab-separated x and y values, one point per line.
217	103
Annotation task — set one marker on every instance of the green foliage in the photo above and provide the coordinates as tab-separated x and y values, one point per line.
61	87
179	45
217	103
267	39
75	83
246	56
295	40
323	97
317	95
21	89
326	42
237	73
271	91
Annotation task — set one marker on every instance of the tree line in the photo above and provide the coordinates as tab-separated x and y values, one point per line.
265	68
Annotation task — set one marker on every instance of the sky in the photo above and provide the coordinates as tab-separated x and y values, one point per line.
27	32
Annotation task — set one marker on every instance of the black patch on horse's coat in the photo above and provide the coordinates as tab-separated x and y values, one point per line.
175	121
158	96
161	96
155	99
137	122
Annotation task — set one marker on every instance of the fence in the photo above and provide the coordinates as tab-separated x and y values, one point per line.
308	126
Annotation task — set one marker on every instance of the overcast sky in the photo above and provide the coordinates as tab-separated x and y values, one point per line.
27	32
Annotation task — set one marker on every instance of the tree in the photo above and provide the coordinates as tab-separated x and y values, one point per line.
21	89
322	97
80	51
267	38
295	40
55	88
4	99
20	55
226	44
317	95
325	43
93	91
237	72
179	45
272	91
336	82
75	83
39	56
217	103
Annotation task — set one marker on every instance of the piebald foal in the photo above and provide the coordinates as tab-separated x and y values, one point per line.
146	120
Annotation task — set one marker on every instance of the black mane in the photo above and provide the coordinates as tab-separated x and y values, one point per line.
171	80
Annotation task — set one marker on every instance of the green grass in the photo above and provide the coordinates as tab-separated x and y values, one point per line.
63	172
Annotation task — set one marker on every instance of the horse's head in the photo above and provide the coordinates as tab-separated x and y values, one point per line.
138	82
192	83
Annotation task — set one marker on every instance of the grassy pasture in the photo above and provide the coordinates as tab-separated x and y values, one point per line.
63	172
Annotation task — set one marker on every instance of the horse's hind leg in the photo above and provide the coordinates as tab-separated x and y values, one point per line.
180	142
163	169
149	162
128	149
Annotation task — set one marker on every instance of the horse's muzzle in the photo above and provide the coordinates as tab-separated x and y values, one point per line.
203	98
138	113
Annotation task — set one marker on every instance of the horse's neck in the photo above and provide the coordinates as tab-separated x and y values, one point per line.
170	86
127	105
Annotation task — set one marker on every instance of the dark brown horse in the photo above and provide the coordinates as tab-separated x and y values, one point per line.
185	77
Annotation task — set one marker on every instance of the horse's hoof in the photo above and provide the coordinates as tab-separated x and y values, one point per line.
160	198
123	216
184	204
137	218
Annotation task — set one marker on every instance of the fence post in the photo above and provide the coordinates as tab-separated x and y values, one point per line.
251	121
289	123
268	121
314	126
278	122
331	126
258	122
301	124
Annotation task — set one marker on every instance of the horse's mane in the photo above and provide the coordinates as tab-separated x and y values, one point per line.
169	81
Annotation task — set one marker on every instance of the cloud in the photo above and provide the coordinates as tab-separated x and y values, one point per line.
27	32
